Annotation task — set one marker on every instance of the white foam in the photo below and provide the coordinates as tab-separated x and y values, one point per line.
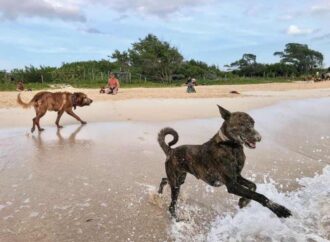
310	221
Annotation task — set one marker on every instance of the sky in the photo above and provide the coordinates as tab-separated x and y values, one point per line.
51	32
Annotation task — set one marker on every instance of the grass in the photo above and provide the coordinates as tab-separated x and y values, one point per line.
148	84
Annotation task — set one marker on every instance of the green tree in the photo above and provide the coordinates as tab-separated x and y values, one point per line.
154	58
122	59
247	60
299	55
247	65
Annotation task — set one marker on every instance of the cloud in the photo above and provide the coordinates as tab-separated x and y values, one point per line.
321	9
13	9
285	17
295	30
91	30
72	10
322	37
159	8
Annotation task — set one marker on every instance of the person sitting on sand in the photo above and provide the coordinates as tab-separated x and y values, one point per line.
113	85
20	86
190	85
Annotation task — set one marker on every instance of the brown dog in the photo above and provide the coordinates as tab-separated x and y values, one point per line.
58	101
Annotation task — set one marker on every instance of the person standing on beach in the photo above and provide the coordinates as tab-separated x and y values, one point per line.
113	85
20	86
190	85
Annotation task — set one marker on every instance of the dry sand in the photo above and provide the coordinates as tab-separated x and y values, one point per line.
97	182
8	99
164	104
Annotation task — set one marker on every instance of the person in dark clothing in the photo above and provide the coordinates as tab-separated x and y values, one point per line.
191	82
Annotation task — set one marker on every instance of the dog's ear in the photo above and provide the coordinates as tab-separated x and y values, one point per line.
225	114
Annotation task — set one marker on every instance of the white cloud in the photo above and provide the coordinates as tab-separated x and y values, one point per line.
91	30
321	9
72	10
159	8
12	9
295	30
285	17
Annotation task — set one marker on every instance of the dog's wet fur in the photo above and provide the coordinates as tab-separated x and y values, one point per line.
59	102
217	162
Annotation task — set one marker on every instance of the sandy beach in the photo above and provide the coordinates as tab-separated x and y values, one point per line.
165	104
98	182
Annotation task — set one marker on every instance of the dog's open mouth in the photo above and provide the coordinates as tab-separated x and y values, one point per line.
250	144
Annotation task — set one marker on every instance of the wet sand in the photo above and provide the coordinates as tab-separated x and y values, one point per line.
97	182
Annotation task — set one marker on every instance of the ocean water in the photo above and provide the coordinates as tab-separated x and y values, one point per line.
292	167
310	221
98	182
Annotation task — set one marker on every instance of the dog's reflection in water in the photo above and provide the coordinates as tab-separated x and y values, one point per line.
71	139
61	142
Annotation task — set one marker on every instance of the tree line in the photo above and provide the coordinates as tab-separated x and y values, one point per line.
151	59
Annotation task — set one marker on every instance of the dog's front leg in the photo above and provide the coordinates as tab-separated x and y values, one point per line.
59	115
71	113
237	189
162	184
243	202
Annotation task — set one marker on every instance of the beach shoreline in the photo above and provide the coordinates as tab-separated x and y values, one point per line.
99	181
163	104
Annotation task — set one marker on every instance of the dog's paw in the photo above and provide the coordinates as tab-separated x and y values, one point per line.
243	202
32	130
279	210
283	212
59	126
83	122
40	130
181	220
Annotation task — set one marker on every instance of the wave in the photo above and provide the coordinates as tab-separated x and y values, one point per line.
310	221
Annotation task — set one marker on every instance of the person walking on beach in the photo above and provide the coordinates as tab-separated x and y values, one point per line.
113	85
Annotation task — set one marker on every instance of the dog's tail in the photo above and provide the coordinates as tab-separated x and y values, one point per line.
161	139
23	104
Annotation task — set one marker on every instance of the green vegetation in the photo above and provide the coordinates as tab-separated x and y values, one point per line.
151	62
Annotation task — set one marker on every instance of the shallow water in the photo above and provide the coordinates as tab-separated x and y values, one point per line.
97	182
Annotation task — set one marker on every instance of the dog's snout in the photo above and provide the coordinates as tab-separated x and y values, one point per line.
90	100
258	137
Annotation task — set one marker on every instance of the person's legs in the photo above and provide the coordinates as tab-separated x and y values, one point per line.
107	90
115	90
190	89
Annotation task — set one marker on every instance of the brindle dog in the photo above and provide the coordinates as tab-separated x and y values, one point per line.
218	161
59	102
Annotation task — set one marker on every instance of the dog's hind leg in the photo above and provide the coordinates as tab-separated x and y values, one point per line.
33	125
243	202
162	184
37	119
34	119
175	190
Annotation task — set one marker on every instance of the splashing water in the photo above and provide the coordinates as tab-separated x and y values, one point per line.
310	221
